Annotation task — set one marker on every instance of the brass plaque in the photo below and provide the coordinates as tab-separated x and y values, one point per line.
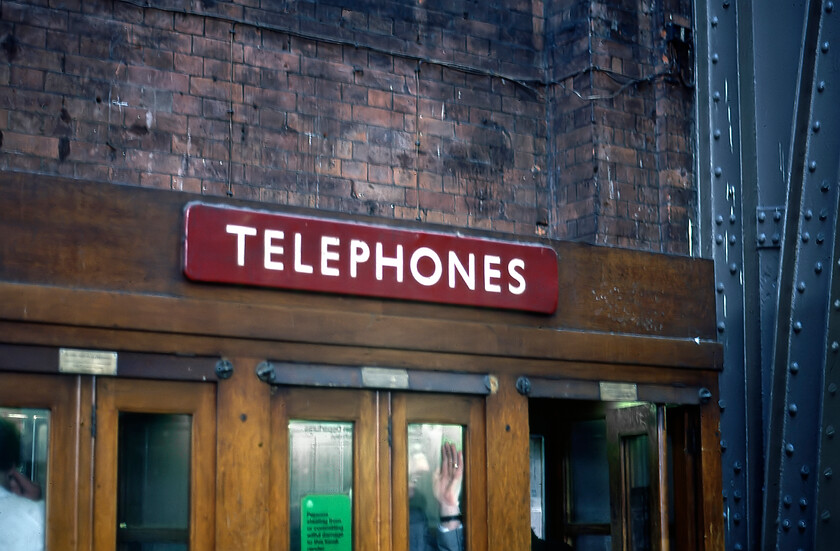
618	392
379	377
87	362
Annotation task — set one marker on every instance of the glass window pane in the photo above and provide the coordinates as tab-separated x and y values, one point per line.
591	542
590	478
24	443
320	485
537	454
637	479
426	443
153	481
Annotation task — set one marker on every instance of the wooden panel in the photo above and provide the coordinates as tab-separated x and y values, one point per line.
212	318
99	236
508	468
242	474
196	399
58	394
712	477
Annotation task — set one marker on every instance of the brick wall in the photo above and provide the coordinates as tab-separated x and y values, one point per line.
462	113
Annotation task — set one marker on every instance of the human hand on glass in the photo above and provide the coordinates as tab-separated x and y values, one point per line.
22	486
447	483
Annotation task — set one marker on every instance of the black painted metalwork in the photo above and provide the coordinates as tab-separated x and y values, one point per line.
769	148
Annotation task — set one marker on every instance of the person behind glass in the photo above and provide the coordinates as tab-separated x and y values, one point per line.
446	488
21	514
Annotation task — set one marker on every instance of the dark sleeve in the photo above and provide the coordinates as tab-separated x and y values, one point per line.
452	540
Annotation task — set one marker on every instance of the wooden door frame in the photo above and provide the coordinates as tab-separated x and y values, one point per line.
163	397
60	395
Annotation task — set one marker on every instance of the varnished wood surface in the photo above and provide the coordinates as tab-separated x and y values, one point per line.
508	468
69	233
113	310
242	464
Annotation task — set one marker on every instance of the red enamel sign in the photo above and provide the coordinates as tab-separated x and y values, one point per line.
249	247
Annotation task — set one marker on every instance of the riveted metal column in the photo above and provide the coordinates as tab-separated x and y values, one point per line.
724	177
799	360
827	527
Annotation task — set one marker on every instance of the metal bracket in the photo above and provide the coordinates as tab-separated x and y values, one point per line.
769	227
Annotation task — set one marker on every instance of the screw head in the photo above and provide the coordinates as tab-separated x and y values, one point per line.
794	368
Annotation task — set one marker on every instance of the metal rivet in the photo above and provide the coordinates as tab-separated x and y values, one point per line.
721	327
821	86
737	495
792	409
820	238
523	385
723	445
801	525
829	431
726	4
718	171
776	238
823	214
224	369
805	471
837	304
737	467
794	368
720	288
812	166
738	547
825	186
835	346
801	287
816	126
777	216
825	515
786	524
716	134
732	218
732	239
806	237
824	47
803	503
832	388
762	238
718	239
719	220
722	404
789	449
828	473
715	21
797	326
704	394
788	501
809	214
716	96
829	7
736	518
818	267
762	216
733	268
715	58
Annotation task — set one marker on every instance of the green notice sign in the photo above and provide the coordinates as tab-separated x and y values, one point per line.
325	523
